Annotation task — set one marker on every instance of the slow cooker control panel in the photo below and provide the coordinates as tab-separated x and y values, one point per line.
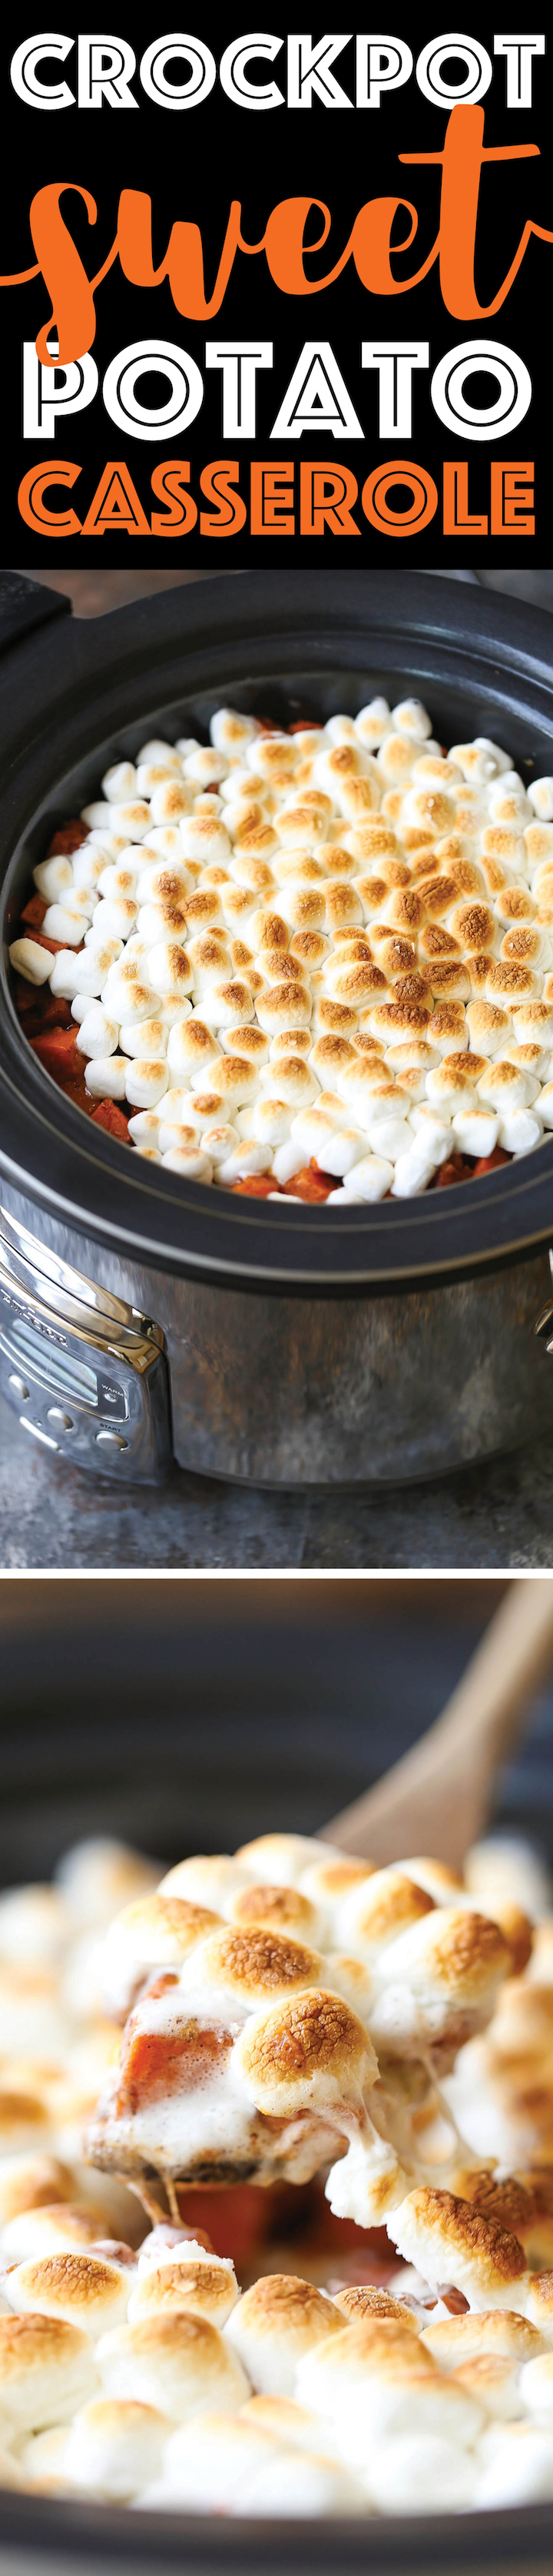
86	1374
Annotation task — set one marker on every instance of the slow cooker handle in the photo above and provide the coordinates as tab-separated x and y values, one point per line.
543	1326
26	604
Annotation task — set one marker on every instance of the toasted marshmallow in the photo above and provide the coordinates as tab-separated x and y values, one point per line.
58	2229
106	1077
374	2384
178	2363
206	2286
46	2370
79	2289
443	2236
272	2327
114	2448
497	2334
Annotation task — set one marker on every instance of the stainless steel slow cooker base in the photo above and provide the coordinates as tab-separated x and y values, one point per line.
264	1390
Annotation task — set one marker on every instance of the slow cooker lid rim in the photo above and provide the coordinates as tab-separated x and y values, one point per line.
201	614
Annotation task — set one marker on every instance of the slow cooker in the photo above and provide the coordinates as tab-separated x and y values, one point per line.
342	1700
142	1317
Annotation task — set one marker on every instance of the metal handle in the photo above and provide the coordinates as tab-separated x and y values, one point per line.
544	1321
49	1291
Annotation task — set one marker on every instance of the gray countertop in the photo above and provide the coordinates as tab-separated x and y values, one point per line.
55	1518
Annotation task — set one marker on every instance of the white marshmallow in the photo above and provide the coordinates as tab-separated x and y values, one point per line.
373	1177
520	1130
31	961
146	1079
541	797
97	1035
84	975
65	922
54	877
114	919
412	1174
476	1130
244	1159
114	2448
106	1075
146	1038
170	969
119	783
192	1164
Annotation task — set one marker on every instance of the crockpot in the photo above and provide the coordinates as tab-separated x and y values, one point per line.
141	1316
218	1773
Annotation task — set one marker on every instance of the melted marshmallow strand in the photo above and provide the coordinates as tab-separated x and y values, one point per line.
315	964
269	2015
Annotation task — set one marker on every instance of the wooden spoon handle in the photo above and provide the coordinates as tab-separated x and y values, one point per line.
436	1797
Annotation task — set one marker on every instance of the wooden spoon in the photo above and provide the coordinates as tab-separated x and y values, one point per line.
438	1797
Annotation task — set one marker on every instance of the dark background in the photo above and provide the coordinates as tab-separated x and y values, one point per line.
193	165
193	1714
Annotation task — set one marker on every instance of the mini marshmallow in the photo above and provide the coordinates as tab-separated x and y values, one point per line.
520	1130
113	919
517	2467
193	1164
506	1087
274	2324
431	1132
412	1173
116	881
234	1080
84	976
31	961
245	1158
106	1076
114	2448
97	1035
146	1038
66	922
170	969
476	1131
47	2369
53	877
372	1177
177	2362
78	2289
204	2286
541	797
146	1079
445	2235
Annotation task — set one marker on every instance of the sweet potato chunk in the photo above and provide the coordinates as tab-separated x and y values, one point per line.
491	1162
155	2063
58	1052
256	1186
310	1184
112	1118
68	838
